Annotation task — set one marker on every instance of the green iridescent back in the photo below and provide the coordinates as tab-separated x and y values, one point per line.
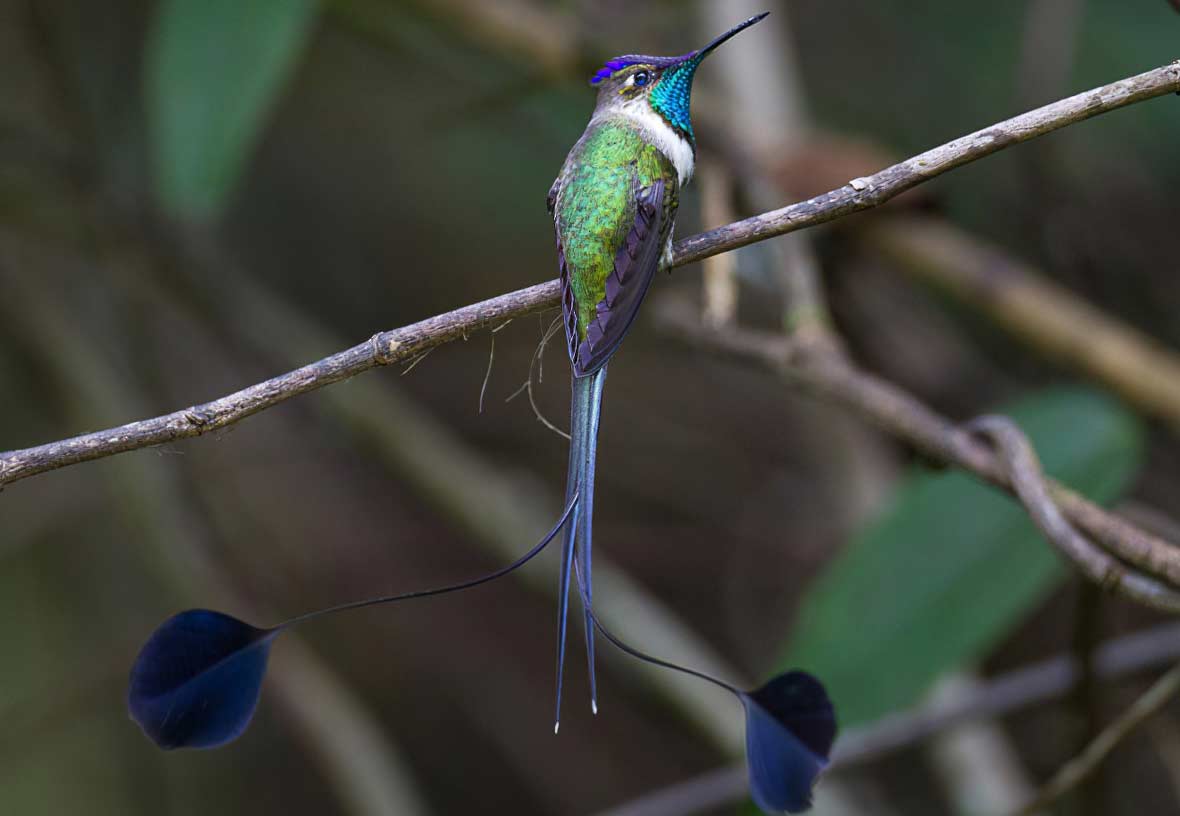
596	206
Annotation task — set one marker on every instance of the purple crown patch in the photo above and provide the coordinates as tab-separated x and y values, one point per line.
618	63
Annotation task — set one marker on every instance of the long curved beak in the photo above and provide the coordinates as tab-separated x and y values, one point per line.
737	29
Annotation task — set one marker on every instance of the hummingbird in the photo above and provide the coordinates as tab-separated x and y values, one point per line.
197	680
614	209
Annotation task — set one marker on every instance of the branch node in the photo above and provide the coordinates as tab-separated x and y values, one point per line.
1112	579
197	418
385	351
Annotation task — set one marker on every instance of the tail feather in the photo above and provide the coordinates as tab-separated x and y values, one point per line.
585	521
585	403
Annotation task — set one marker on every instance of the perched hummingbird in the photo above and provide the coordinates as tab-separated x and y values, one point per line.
614	207
196	681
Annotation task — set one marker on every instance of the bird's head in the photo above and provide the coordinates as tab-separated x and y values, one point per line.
664	84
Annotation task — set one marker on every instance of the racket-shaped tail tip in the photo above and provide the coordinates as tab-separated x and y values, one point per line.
196	682
790	727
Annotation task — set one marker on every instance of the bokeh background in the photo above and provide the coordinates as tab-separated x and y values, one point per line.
195	196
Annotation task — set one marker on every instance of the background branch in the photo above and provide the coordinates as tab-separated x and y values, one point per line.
834	379
1077	770
1024	472
1040	312
999	696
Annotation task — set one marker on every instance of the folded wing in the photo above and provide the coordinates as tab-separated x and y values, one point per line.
635	264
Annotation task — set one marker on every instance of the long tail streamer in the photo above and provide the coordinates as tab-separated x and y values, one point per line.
585	405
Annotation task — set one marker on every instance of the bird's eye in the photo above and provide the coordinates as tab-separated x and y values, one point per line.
641	78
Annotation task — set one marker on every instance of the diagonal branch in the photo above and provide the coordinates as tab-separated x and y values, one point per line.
404	343
872	191
382	349
836	380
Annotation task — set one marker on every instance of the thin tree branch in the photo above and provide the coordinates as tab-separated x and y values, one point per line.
382	349
1080	767
871	191
836	380
999	697
401	344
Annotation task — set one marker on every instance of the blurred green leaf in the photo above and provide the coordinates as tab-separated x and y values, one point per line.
214	69
953	565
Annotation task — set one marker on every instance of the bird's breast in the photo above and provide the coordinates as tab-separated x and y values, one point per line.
656	130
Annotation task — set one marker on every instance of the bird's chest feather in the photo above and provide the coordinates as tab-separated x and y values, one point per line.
667	140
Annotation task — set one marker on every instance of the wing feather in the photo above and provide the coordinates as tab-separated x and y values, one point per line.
634	267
